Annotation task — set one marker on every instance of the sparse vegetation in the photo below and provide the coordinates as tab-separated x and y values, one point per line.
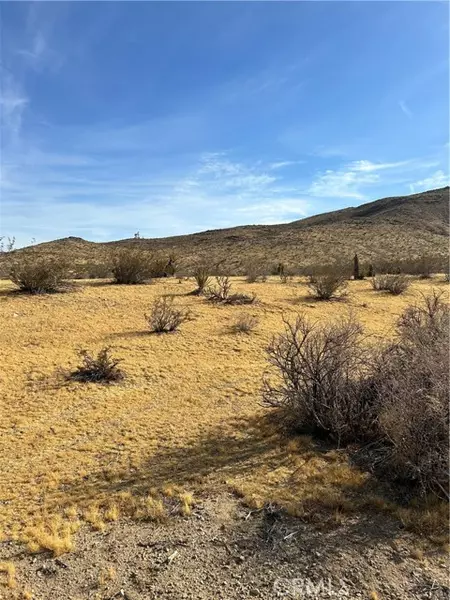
394	284
327	284
39	275
102	368
131	267
245	323
164	317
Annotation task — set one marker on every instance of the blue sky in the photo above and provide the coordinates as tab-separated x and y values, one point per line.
176	117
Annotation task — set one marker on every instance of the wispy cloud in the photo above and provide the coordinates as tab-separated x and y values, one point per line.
13	103
438	179
405	109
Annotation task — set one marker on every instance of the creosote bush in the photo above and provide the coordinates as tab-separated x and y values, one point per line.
39	275
394	284
331	383
131	266
327	284
99	369
164	317
245	323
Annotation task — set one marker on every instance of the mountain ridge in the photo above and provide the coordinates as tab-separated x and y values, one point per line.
405	226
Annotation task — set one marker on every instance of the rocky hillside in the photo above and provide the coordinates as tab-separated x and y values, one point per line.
400	227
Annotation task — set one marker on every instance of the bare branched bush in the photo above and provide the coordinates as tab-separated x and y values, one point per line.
164	317
39	275
413	385
394	284
324	383
98	369
327	284
131	266
245	323
221	293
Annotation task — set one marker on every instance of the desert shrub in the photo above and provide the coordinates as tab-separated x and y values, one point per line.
97	271
327	284
394	284
324	379
221	293
98	369
245	323
413	384
164	317
255	272
39	275
161	266
202	275
131	266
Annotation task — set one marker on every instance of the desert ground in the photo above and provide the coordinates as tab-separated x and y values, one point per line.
175	482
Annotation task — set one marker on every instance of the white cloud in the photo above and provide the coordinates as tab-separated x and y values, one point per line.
367	166
437	180
345	183
405	109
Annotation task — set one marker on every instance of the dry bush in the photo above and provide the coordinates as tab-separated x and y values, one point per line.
324	379
99	369
39	275
202	275
164	317
220	293
394	284
131	266
413	385
327	284
245	323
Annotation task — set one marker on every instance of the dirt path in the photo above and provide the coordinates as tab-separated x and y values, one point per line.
224	551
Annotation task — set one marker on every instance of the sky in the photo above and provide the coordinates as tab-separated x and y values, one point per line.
175	117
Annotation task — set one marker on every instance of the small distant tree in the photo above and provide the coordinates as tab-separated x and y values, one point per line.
356	274
370	270
137	235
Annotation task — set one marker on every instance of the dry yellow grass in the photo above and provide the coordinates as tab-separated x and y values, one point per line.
186	419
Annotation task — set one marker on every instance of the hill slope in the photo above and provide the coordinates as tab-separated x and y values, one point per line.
399	227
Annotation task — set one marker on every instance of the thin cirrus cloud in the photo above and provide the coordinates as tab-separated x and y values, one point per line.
405	109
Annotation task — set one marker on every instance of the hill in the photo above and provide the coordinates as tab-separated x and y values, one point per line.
401	227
